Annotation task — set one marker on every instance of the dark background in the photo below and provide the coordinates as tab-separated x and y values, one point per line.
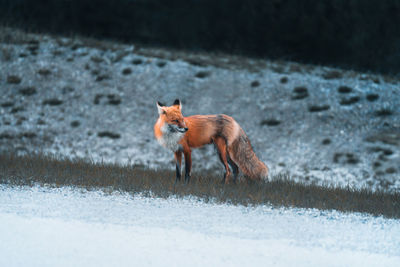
357	34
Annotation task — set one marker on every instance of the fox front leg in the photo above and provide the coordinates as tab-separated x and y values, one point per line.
178	160
188	165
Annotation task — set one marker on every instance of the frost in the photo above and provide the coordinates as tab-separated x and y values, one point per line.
71	227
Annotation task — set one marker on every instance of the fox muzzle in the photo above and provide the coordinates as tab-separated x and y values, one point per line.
176	128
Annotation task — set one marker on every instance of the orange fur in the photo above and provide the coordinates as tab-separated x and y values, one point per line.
181	134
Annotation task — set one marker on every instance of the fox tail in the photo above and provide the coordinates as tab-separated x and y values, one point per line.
242	153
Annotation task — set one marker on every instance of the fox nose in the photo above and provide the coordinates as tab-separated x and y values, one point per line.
186	129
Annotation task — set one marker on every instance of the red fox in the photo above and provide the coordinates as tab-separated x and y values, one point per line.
181	134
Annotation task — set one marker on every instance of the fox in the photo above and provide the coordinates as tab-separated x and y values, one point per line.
182	134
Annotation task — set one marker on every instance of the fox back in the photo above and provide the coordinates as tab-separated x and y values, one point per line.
181	134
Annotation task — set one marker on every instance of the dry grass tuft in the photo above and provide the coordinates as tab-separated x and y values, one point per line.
55	171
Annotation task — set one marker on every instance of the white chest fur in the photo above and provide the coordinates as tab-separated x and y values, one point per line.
170	139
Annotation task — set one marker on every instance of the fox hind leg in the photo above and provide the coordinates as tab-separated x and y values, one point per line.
234	168
220	144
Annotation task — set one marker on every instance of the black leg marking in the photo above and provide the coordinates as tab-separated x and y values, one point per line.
220	158
187	173
187	177
178	173
234	167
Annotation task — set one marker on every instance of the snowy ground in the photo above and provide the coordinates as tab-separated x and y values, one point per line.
72	227
97	100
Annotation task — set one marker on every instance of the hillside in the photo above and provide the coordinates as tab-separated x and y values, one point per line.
96	99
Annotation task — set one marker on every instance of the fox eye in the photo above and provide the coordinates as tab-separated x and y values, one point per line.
176	121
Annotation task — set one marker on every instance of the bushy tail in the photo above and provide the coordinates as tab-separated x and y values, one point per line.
241	152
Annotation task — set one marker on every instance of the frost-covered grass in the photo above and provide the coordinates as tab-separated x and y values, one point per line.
279	191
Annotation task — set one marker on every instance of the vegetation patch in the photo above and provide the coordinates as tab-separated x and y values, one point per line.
382	150
345	90
114	99
391	170
316	108
28	135
109	135
202	74
44	72
97	99
102	77
6	53
349	101
376	164
52	102
7	104
6	136
67	89
270	122
28	91
33	48
300	92
295	68
372	97
384	112
16	110
345	158
334	74
255	84
389	138
75	124
161	64
96	59
137	61
126	71
14	79
284	79
196	62
281	191
326	141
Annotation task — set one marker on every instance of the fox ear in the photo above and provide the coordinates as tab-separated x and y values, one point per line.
177	102
160	108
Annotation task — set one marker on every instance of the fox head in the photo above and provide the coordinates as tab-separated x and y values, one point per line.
172	116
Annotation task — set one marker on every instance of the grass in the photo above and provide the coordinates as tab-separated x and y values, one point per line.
281	191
